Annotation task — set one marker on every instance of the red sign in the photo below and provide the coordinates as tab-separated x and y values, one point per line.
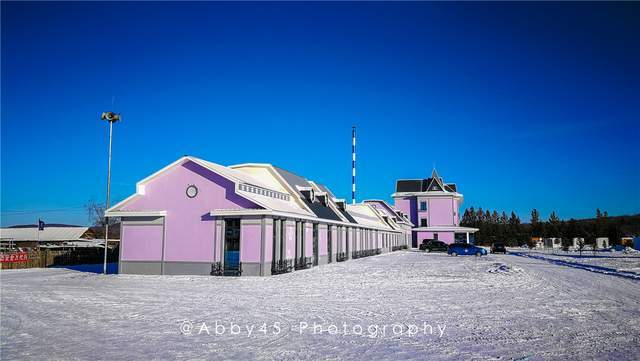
14	257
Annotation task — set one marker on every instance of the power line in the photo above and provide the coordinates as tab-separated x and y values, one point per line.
35	211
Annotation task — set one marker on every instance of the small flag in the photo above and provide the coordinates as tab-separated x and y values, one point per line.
40	225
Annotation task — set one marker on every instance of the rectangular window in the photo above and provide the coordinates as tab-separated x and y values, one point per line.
423	222
423	206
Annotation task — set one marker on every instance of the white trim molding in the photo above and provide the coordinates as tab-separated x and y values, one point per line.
446	229
267	212
427	194
135	214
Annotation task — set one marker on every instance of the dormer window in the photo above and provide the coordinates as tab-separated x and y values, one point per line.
322	198
307	193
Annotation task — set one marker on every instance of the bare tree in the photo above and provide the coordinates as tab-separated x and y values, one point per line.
95	214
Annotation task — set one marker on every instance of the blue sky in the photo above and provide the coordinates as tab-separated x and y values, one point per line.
522	105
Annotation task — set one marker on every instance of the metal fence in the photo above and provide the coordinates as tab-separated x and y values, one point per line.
41	258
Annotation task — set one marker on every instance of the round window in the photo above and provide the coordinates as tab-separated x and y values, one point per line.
192	191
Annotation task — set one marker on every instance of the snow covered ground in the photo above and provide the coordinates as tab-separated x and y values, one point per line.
615	263
498	306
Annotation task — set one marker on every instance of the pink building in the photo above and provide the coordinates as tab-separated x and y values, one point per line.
433	207
198	217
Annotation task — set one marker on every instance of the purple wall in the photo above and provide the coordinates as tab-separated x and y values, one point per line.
290	240
141	243
446	237
440	211
456	212
322	241
188	216
250	237
308	240
268	241
409	206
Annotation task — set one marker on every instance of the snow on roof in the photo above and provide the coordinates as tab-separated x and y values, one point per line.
46	235
269	179
365	215
269	175
265	181
331	204
262	172
235	175
232	173
389	210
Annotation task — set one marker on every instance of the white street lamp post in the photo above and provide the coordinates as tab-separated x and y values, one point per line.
111	118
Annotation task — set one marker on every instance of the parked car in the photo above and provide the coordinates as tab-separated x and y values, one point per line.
461	249
498	248
431	245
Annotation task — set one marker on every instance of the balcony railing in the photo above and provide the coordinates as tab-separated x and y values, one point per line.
341	257
282	266
303	263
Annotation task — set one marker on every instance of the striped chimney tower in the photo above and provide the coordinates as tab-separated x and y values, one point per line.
353	165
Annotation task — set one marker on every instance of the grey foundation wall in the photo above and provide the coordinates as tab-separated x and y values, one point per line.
140	267
252	269
187	268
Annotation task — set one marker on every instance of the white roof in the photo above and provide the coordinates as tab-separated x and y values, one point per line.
48	234
269	176
94	243
365	215
231	173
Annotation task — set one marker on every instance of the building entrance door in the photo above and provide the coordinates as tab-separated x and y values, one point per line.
232	247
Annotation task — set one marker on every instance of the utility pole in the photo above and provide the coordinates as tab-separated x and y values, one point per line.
111	117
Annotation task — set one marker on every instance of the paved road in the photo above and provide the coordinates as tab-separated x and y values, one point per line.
499	306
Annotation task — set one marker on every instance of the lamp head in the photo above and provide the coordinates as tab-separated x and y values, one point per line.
110	116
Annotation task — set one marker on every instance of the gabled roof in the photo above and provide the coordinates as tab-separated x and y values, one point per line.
322	211
268	175
435	183
324	189
390	211
297	183
46	235
366	215
347	216
275	190
294	184
236	176
409	185
331	209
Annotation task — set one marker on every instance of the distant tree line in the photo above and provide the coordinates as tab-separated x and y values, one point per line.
496	226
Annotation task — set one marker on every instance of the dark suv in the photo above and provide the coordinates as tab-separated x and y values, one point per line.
431	245
498	248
